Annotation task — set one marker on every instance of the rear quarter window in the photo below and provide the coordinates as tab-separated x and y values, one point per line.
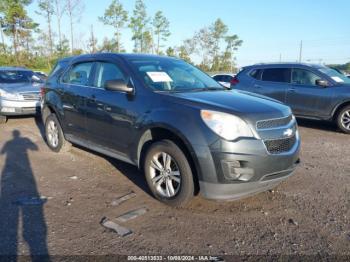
256	73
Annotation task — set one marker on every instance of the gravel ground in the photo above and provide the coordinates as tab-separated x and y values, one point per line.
309	214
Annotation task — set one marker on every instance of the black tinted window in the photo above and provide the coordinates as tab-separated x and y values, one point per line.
227	79
79	74
276	75
106	72
218	78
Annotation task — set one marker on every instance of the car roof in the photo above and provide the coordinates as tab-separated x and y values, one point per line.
14	68
223	74
120	55
284	64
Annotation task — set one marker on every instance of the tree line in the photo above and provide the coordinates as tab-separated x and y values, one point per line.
24	42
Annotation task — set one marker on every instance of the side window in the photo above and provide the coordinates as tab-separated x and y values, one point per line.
304	77
276	75
227	79
106	72
218	78
79	74
256	73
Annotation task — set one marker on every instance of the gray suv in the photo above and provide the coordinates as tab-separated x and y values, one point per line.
19	92
312	91
183	129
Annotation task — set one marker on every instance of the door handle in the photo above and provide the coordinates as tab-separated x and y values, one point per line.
292	90
257	86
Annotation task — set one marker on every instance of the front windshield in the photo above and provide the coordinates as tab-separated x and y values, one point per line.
16	76
172	75
335	75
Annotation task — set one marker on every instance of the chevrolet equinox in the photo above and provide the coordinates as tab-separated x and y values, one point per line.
183	129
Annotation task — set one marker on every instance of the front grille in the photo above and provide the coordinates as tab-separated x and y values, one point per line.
30	96
273	123
279	146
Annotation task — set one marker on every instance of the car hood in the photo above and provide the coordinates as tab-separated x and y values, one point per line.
21	87
247	105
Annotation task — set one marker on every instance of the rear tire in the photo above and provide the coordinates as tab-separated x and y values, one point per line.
343	120
54	135
168	174
3	119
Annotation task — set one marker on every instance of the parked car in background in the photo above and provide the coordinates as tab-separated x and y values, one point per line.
41	74
19	92
224	79
312	91
184	130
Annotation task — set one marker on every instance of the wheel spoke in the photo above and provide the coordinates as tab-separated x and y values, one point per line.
176	179
156	179
169	187
166	160
156	164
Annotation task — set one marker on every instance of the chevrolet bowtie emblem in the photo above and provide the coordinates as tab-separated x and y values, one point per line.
288	132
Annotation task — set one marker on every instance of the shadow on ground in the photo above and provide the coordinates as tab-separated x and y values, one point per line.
20	203
320	125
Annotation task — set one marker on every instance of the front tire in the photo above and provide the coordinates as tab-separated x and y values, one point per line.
54	135
343	120
168	174
3	119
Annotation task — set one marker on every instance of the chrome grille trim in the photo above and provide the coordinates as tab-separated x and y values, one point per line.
273	123
32	96
282	145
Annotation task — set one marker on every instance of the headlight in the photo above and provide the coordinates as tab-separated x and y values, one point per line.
226	125
10	96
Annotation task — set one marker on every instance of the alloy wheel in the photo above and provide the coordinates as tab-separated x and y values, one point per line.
165	175
345	120
52	133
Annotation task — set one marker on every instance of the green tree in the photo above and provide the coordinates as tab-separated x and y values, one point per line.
218	31
233	42
92	41
60	9
148	46
161	29
74	11
46	10
115	16
138	25
170	51
14	18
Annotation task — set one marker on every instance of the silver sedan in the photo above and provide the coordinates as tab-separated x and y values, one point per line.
19	92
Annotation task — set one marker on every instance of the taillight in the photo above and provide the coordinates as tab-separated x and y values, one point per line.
234	81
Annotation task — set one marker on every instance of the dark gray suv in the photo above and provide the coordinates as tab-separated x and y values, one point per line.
186	131
312	91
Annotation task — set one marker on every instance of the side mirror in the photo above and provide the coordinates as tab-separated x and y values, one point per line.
118	85
322	83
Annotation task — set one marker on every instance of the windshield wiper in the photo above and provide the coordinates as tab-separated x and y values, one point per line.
210	88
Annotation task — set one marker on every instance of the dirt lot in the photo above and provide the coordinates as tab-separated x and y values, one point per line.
308	214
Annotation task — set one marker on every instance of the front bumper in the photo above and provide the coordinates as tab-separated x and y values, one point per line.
12	108
233	170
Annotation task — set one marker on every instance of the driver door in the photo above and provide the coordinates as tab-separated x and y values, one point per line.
305	97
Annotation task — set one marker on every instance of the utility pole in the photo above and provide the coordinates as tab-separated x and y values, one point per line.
301	51
280	58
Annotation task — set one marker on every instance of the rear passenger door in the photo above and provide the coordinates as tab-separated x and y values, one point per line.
305	97
75	86
274	83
